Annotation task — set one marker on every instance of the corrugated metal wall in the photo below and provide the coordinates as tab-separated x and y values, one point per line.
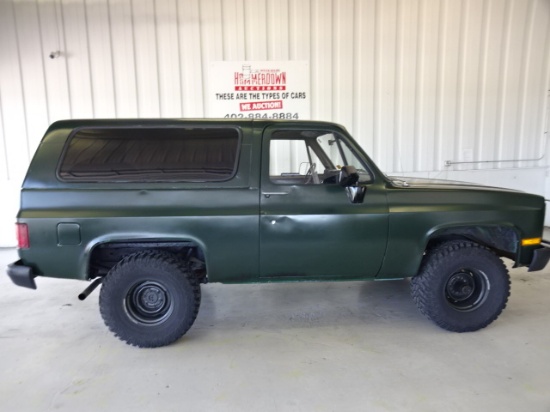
418	82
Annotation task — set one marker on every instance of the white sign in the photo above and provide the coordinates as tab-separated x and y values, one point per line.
259	90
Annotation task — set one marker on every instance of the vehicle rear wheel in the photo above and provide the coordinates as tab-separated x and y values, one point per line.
461	286
148	299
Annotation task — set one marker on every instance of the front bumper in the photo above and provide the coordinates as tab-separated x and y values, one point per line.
540	259
21	275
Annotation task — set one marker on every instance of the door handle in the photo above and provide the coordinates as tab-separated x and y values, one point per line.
269	194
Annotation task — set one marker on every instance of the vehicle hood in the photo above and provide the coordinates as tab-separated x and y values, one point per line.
417	182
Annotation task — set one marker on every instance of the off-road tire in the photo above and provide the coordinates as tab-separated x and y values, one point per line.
149	299
461	286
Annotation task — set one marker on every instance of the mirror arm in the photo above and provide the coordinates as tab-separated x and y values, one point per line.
348	176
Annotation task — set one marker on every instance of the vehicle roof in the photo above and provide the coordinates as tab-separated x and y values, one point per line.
172	122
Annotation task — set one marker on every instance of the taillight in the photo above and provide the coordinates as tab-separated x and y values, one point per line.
22	236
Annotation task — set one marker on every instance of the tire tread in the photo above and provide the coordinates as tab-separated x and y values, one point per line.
421	284
113	279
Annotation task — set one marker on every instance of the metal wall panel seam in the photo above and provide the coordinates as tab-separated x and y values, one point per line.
276	31
256	44
33	73
245	35
20	67
157	60
192	75
111	49
377	53
333	66
133	25
342	47
355	93
503	75
355	129
442	39
12	96
61	29
398	90
180	57
544	112
291	31
77	58
205	57
47	106
291	13
223	28
525	59
91	78
482	76
58	12
460	78
418	106
54	70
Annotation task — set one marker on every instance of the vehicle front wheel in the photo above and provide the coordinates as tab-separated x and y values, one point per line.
461	286
148	299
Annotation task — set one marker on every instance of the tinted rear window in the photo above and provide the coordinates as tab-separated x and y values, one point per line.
151	154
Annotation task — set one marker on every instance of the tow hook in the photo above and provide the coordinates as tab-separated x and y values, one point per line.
91	287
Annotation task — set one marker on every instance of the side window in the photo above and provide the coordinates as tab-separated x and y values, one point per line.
290	161
340	151
311	157
150	155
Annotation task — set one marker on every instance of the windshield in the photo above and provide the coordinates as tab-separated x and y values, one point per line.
340	154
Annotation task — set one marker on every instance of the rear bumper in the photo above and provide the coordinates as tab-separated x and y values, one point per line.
21	275
540	259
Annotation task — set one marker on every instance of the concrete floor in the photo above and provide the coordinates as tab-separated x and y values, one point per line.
359	346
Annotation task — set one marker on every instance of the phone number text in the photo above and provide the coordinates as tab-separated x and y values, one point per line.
288	116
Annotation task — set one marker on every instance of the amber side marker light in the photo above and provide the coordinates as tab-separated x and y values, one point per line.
22	231
531	242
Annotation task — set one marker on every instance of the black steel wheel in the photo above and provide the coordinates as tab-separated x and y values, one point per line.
461	286
467	289
149	299
149	303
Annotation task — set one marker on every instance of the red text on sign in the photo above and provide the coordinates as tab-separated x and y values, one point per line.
271	105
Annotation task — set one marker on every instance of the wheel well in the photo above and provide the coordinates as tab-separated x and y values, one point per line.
503	240
105	255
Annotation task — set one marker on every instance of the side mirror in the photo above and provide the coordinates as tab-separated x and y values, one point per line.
348	176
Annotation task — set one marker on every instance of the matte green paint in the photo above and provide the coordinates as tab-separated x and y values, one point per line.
312	232
315	232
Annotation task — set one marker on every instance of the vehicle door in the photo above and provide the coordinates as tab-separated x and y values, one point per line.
311	226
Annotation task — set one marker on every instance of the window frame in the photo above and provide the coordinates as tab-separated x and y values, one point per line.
115	181
340	139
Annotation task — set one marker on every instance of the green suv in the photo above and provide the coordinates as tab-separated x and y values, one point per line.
152	209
